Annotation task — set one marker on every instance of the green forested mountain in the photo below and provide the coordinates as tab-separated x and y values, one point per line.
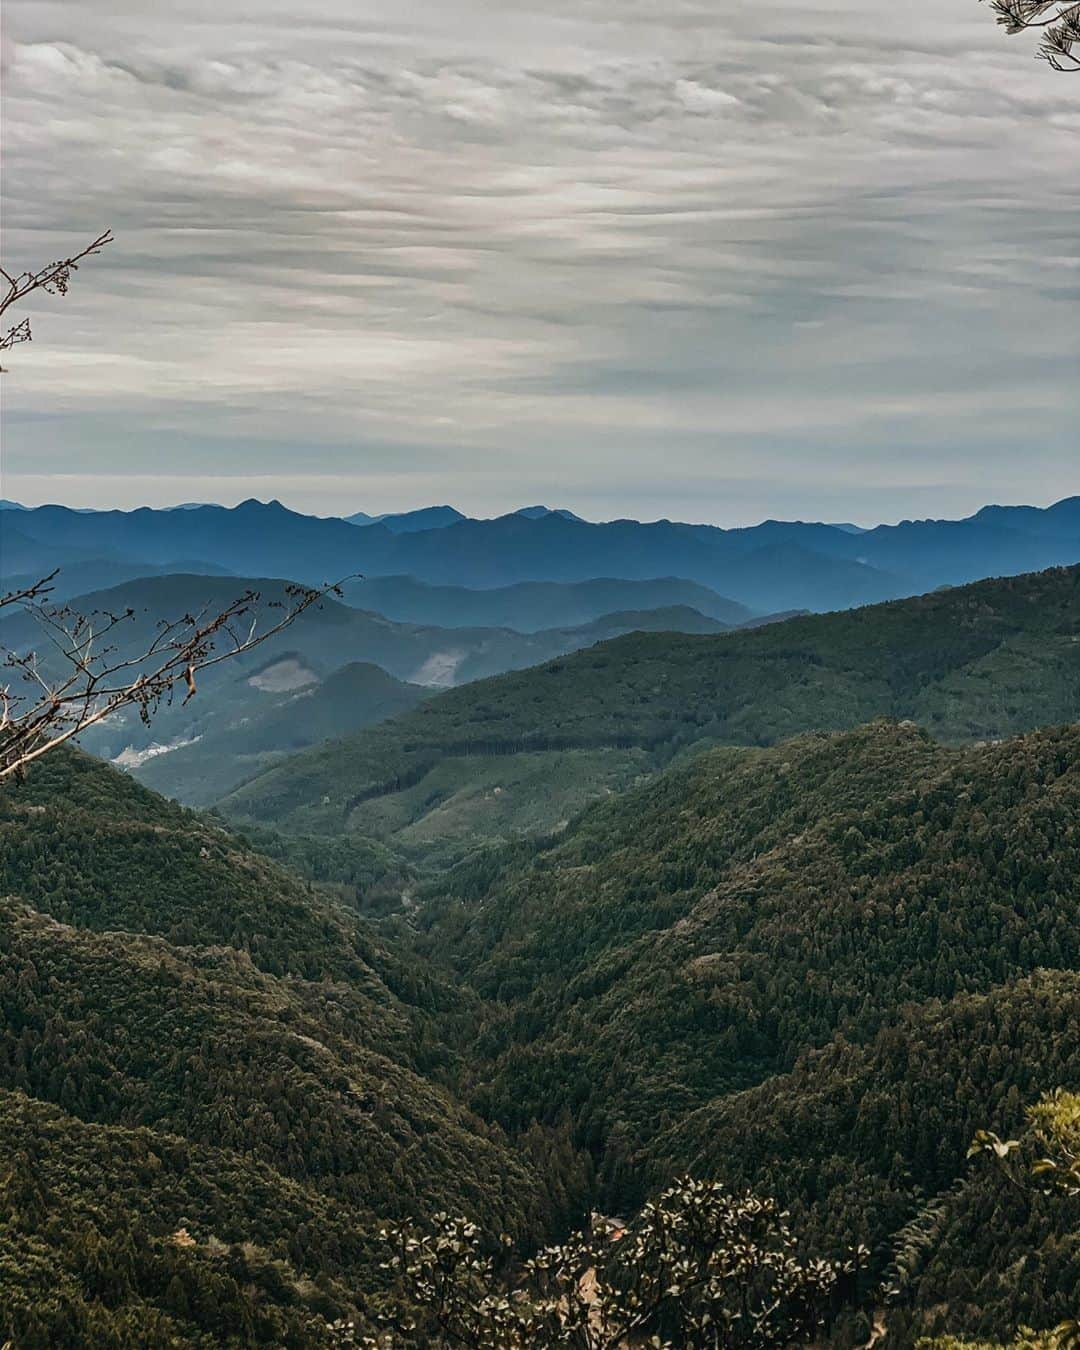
124	1236
812	965
866	1141
813	969
981	661
728	915
334	670
190	1039
251	728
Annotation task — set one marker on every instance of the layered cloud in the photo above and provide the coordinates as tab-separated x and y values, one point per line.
650	259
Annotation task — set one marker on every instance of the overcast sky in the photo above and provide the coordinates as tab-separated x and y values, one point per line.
712	261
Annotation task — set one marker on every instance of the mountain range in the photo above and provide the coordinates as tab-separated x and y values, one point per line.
523	752
546	863
774	566
812	963
334	670
532	605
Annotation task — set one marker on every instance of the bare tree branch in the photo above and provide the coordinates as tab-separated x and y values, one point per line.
88	680
87	676
53	279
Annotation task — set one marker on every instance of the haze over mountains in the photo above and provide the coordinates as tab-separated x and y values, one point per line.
774	566
522	753
335	669
444	600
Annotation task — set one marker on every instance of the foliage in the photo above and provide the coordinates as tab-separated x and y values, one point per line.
123	1236
1056	21
697	935
165	994
1055	1121
1054	1126
699	1267
1025	1340
809	971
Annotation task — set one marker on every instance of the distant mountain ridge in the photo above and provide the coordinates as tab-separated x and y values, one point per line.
539	512
777	565
439	517
407	522
529	606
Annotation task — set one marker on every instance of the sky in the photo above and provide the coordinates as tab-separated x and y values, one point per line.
714	262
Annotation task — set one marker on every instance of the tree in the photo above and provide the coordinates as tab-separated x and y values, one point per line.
699	1267
1058	24
86	675
1054	1129
53	280
1053	1135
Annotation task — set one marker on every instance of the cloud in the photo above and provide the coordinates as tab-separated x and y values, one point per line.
549	243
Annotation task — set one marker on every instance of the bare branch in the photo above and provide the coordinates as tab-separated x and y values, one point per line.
54	279
37	591
87	677
94	681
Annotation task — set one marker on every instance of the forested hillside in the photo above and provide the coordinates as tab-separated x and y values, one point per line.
816	970
813	966
255	726
981	661
723	918
193	1043
330	672
866	1141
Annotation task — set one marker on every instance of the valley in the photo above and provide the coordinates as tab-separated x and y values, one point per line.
540	676
791	905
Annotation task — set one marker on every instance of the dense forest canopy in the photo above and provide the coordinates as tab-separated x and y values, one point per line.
746	969
808	970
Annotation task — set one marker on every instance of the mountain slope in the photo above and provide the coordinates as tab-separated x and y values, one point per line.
314	680
861	1140
814	970
163	1242
533	605
728	915
406	522
255	728
980	661
169	995
951	552
91	575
